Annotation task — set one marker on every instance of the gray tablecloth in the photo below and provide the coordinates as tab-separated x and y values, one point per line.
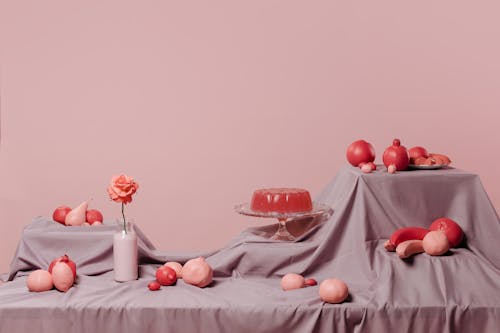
458	292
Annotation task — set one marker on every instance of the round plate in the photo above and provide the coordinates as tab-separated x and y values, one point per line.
318	209
427	167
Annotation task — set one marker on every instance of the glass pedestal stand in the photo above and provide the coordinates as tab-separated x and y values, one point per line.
282	232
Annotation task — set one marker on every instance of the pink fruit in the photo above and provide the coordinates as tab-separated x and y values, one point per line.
410	247
64	259
60	213
397	155
366	168
333	291
176	267
197	272
93	215
452	230
435	243
166	276
154	285
96	223
62	275
391	168
292	281
372	165
39	280
310	282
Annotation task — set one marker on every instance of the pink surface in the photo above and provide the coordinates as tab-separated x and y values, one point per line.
213	100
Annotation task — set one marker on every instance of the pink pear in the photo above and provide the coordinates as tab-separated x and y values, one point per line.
77	215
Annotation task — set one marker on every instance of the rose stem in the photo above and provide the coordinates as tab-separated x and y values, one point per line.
123	214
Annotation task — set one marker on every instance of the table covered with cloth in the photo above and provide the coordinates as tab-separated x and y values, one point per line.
457	292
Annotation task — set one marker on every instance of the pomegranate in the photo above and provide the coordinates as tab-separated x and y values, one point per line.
397	155
154	285
93	215
310	282
416	152
64	259
176	267
360	152
435	243
39	280
197	272
451	229
62	275
166	276
60	213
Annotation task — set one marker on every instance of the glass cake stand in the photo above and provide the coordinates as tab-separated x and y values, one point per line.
282	233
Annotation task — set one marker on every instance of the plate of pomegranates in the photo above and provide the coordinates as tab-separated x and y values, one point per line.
427	166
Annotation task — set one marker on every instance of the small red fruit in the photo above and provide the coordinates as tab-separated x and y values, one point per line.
154	285
310	282
60	213
93	215
166	276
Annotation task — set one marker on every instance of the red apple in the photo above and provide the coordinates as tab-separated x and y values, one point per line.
60	213
65	259
93	215
451	229
166	276
416	152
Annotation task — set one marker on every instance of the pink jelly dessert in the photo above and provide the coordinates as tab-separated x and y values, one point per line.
281	200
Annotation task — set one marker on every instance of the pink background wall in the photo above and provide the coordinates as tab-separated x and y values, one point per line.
202	102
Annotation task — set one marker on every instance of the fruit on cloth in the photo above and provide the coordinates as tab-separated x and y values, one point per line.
96	223
451	229
391	169
333	291
310	282
176	267
154	285
408	248
360	152
59	214
77	216
39	280
404	234
292	281
397	155
281	200
65	260
93	215
435	243
416	152
372	165
62	275
197	272
366	168
166	276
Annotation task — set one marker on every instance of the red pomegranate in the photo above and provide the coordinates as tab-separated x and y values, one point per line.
416	152
451	228
397	155
360	152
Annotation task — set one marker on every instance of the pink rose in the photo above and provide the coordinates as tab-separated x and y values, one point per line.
122	188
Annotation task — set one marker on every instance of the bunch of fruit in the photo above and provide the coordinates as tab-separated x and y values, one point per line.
60	274
443	234
330	290
396	157
77	216
196	272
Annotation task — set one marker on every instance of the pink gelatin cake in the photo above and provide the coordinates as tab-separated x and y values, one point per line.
281	200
